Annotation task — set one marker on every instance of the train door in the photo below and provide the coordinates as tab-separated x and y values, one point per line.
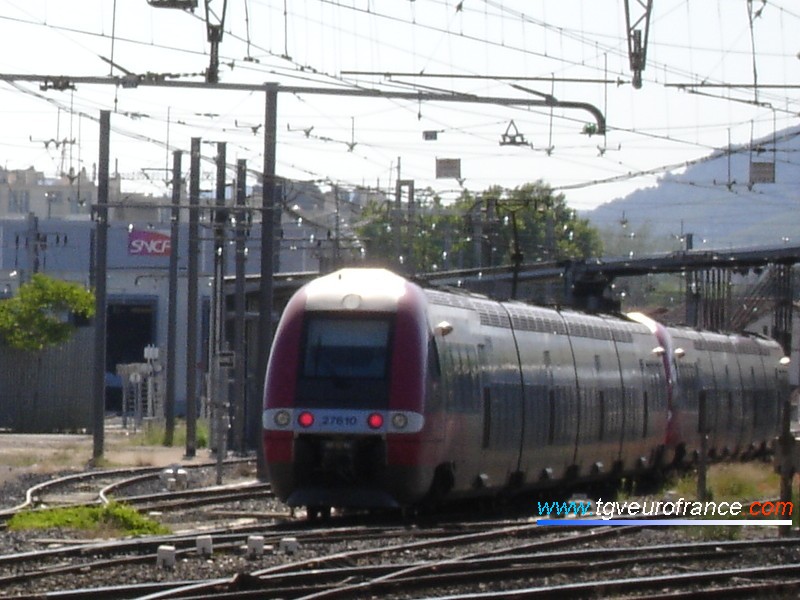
631	384
502	408
748	393
655	417
463	425
539	455
733	416
686	409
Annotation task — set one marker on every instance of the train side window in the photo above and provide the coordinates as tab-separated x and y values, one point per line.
466	378
645	415
487	416
474	378
457	371
702	415
601	400
434	384
434	368
757	394
730	407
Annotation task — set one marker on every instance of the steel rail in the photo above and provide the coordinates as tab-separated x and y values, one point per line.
201	590
602	588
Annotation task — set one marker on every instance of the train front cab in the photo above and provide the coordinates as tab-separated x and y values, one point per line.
343	420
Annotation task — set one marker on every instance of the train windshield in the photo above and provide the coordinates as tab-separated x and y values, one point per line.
346	348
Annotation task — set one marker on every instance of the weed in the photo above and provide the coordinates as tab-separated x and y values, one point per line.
112	520
715	533
154	434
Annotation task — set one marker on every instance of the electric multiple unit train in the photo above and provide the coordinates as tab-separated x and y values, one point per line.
380	393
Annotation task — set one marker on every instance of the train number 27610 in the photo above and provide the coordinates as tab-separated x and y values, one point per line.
339	421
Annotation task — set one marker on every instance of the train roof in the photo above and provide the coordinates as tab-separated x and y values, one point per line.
361	288
378	289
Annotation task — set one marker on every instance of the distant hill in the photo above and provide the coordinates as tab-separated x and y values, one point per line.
721	210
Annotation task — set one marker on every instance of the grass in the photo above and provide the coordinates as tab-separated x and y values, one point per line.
111	520
730	482
154	434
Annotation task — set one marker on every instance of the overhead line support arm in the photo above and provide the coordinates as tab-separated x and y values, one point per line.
158	80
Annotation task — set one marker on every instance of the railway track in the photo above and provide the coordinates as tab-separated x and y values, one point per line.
92	487
395	560
353	556
99	558
502	558
517	572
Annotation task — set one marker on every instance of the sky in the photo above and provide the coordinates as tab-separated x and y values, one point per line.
717	72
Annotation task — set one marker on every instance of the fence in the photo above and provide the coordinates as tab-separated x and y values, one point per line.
142	396
48	391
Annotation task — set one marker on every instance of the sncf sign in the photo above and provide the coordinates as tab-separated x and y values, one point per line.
148	243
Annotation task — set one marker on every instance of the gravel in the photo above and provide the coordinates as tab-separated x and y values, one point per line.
227	562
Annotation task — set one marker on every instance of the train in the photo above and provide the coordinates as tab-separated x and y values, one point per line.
381	393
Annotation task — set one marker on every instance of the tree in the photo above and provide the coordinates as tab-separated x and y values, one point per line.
495	227
39	315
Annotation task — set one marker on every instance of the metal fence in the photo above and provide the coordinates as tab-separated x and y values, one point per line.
48	391
142	393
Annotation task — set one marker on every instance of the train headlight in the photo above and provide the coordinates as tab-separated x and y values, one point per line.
375	421
282	418
399	421
306	419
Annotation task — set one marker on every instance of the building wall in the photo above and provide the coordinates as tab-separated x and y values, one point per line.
138	272
69	196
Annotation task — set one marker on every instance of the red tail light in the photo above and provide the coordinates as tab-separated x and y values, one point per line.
375	420
305	419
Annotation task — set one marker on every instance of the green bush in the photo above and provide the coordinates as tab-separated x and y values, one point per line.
38	316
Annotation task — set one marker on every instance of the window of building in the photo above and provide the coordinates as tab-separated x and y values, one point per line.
19	202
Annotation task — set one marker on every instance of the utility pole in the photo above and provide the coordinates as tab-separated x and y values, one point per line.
219	363
32	245
240	365
172	314
191	307
477	216
491	232
336	232
406	253
101	268
267	263
397	220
